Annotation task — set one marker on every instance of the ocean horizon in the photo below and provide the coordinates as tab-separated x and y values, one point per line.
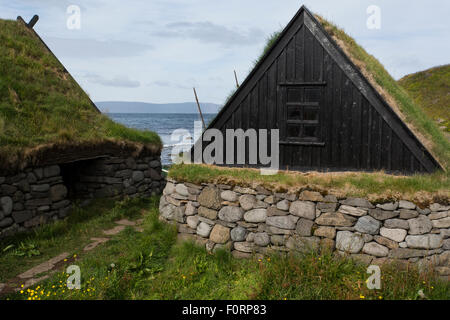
163	124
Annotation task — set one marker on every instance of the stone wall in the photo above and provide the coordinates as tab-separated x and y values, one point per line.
256	220
38	195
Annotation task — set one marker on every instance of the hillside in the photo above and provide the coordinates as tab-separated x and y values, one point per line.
431	90
41	106
142	107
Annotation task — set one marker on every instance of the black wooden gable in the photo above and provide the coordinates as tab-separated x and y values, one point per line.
329	116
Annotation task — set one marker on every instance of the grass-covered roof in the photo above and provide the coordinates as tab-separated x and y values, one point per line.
43	108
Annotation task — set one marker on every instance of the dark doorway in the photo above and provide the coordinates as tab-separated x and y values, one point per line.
72	176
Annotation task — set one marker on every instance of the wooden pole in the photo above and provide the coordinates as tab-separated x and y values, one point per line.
235	77
199	109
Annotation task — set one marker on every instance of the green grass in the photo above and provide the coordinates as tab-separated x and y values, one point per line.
41	104
376	186
152	265
430	89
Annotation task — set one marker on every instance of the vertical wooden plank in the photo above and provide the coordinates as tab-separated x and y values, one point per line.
254	112
397	156
337	116
281	77
356	128
347	98
263	99
380	141
387	147
375	141
318	61
364	133
309	62
272	96
290	61
300	55
326	121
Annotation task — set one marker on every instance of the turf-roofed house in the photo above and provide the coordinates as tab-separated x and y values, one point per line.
55	146
364	171
331	112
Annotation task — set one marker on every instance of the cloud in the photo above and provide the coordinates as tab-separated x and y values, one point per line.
90	48
117	81
209	32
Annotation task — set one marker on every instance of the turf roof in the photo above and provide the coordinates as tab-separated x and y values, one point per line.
42	108
410	112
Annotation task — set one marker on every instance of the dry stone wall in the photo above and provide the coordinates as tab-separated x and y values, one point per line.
38	195
248	221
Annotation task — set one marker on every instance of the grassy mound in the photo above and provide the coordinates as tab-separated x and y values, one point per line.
41	104
431	90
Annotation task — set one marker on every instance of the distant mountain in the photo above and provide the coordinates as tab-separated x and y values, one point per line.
143	107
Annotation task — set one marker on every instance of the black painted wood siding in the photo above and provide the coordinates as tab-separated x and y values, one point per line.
354	135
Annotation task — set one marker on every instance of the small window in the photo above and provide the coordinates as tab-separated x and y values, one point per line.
303	114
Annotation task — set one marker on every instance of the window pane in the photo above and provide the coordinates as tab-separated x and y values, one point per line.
312	94
294	113
311	114
294	95
293	131
310	132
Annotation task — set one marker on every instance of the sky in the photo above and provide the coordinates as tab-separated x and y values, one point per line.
157	50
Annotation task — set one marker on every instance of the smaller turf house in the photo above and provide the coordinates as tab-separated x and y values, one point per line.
55	146
335	106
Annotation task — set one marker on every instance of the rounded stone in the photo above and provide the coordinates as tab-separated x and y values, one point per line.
210	198
375	249
282	222
327	232
238	234
204	230
182	190
229	196
192	221
367	224
58	192
247	201
256	215
261	239
220	234
420	225
349	242
7	205
396	224
303	209
6	222
231	214
137	176
283	205
51	171
403	204
429	241
207	213
397	235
